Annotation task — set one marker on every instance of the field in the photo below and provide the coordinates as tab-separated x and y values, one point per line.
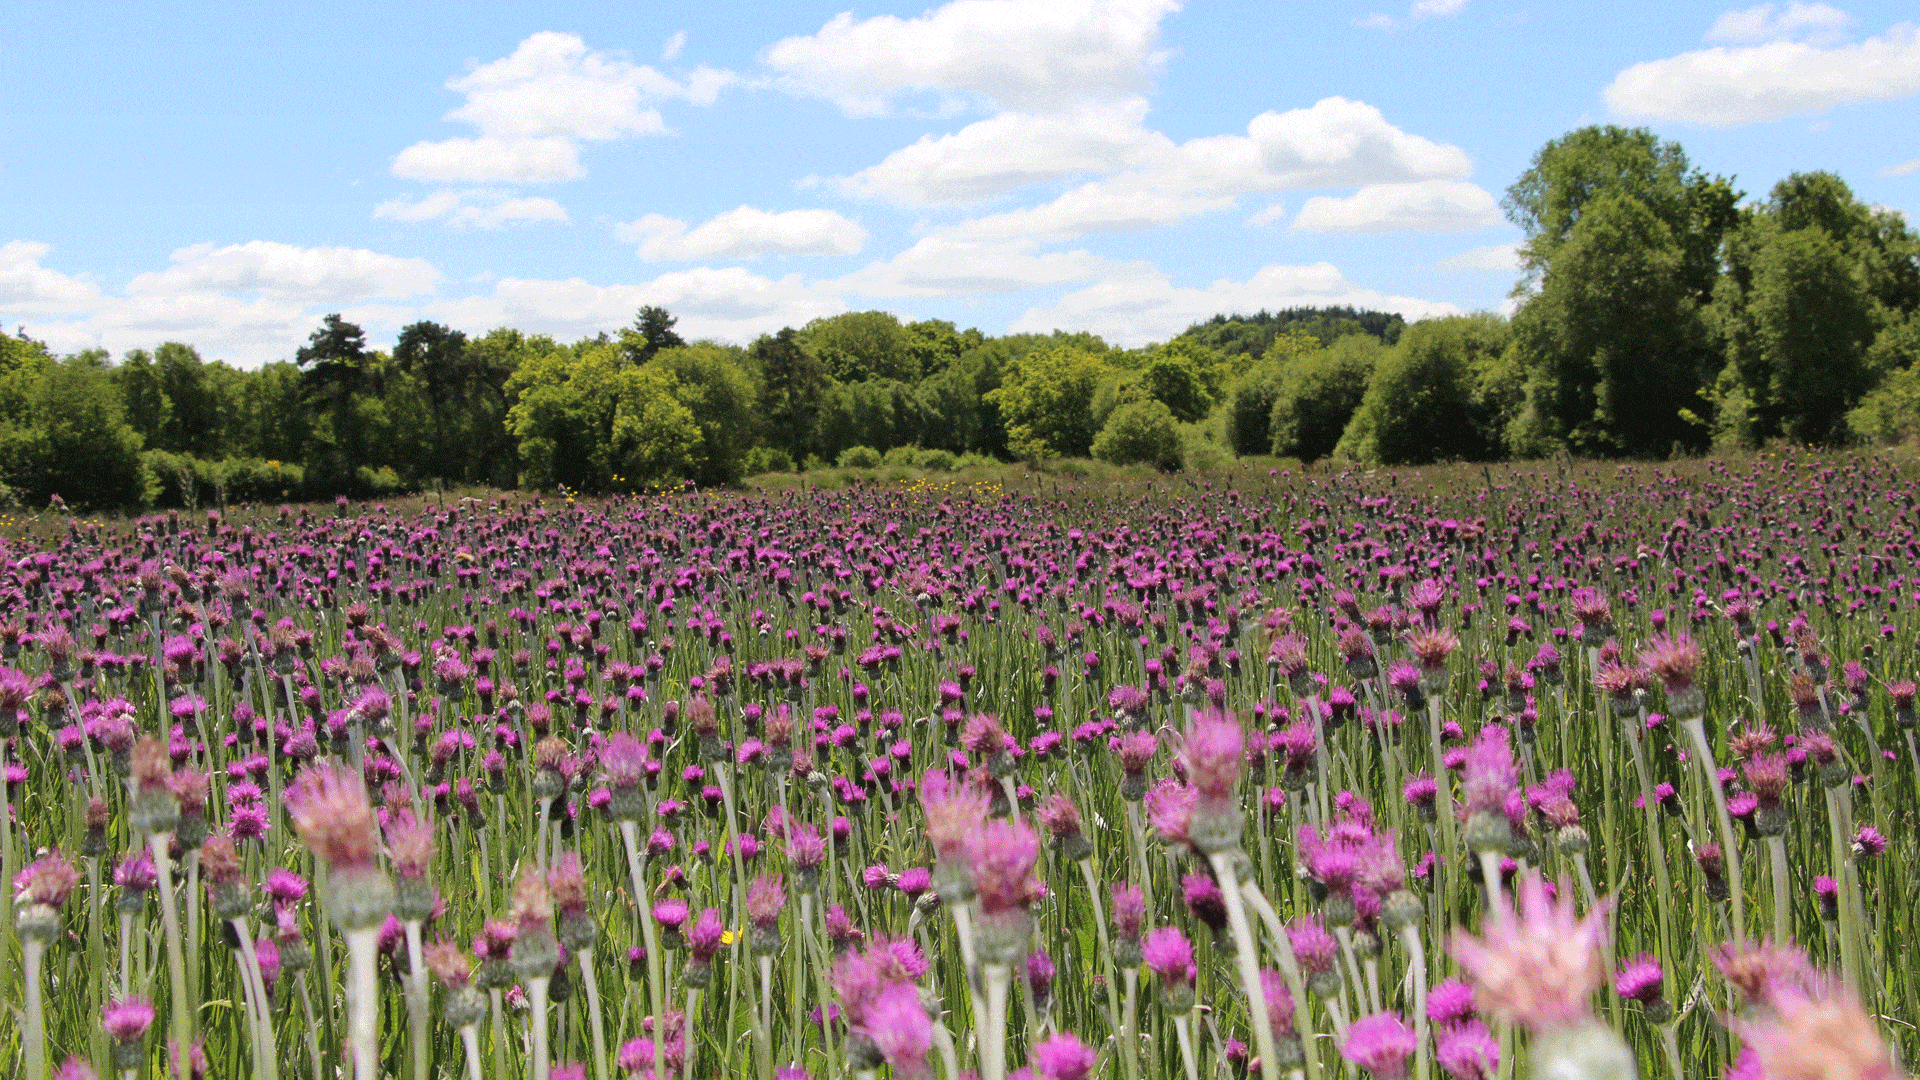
1554	769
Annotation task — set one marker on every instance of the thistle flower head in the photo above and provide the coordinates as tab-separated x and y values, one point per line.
47	881
409	844
1280	1004
1169	955
1432	645
532	904
1640	979
332	815
450	963
1674	659
706	935
1763	972
1489	775
1822	1034
1062	1056
1002	856
1450	1002
953	809
1136	750
1467	1051
1129	910
806	847
1312	945
1212	753
137	873
899	1027
127	1019
766	897
1536	967
1061	817
623	761
1380	1044
567	884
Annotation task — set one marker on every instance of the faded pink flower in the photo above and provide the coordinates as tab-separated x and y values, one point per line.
1537	968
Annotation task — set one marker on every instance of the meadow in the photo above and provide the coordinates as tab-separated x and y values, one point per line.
1562	769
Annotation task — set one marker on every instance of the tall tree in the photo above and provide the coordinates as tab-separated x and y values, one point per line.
793	390
652	330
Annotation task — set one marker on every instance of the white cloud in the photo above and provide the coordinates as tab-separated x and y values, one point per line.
1492	257
731	304
1012	150
1425	206
479	161
1271	215
1437	9
28	289
671	50
1728	86
1901	169
745	233
533	107
1335	143
939	266
472	209
1137	303
1769	22
1016	53
327	275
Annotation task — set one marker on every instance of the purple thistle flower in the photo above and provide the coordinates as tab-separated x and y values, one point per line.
1467	1051
1381	1044
1062	1056
898	1026
1450	1002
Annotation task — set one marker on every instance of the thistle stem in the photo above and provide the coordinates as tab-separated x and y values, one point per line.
993	1034
1696	729
418	1022
537	1017
1182	1027
1777	857
176	950
363	1001
470	1040
1247	956
591	981
656	984
1417	973
1128	1061
33	1041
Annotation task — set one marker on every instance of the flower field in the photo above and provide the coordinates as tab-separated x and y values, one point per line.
1583	773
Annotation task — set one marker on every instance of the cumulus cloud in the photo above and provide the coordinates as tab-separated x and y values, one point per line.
472	209
1137	304
745	233
1726	86
322	275
1015	53
1770	22
1007	152
533	107
671	50
939	267
1425	206
1334	143
28	289
1492	257
729	303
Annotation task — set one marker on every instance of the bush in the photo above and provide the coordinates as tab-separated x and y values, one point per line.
378	483
815	463
766	459
971	460
860	457
259	481
1140	433
900	455
934	460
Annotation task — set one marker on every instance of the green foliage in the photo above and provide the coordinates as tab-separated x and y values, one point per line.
859	457
652	331
793	388
766	459
933	345
1046	398
719	395
1140	433
861	345
1243	339
188	482
588	419
63	431
935	460
1316	395
1434	397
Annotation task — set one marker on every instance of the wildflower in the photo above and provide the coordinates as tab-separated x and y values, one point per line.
1450	1002
1317	953
1487	779
1641	980
1212	754
1675	660
334	819
1536	967
1818	1035
1061	1056
1001	857
1467	1051
1129	913
126	1021
1381	1044
899	1028
766	897
704	939
1062	819
1168	954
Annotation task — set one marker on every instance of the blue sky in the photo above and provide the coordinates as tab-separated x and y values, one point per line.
225	174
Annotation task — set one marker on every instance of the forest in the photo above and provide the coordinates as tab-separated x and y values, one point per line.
1660	309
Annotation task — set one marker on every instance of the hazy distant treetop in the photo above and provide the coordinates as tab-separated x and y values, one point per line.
1238	335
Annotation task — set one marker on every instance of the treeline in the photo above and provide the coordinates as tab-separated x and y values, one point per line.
1659	311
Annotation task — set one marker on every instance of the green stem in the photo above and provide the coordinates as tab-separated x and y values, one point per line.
1696	729
176	959
1247	955
363	1001
591	980
33	1043
993	1034
537	1017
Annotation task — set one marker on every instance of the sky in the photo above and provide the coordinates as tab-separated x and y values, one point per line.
226	174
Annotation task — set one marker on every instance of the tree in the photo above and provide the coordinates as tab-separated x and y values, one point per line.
932	345
142	395
63	431
1317	395
652	330
1434	397
793	388
861	345
719	397
1140	433
1046	399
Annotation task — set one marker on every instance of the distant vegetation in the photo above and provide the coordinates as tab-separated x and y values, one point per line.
1659	311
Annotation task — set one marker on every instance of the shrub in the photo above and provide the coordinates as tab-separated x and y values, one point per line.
1140	433
859	457
934	460
766	459
378	483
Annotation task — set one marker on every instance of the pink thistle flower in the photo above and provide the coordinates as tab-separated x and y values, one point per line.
766	897
127	1019
1279	1002
1169	954
1062	1056
1129	910
409	844
450	963
1170	808
1002	856
1213	755
47	881
1675	660
333	817
1467	1051
1380	1044
952	809
706	935
1763	972
1450	1002
1824	1035
898	1026
1538	967
1640	979
75	1068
